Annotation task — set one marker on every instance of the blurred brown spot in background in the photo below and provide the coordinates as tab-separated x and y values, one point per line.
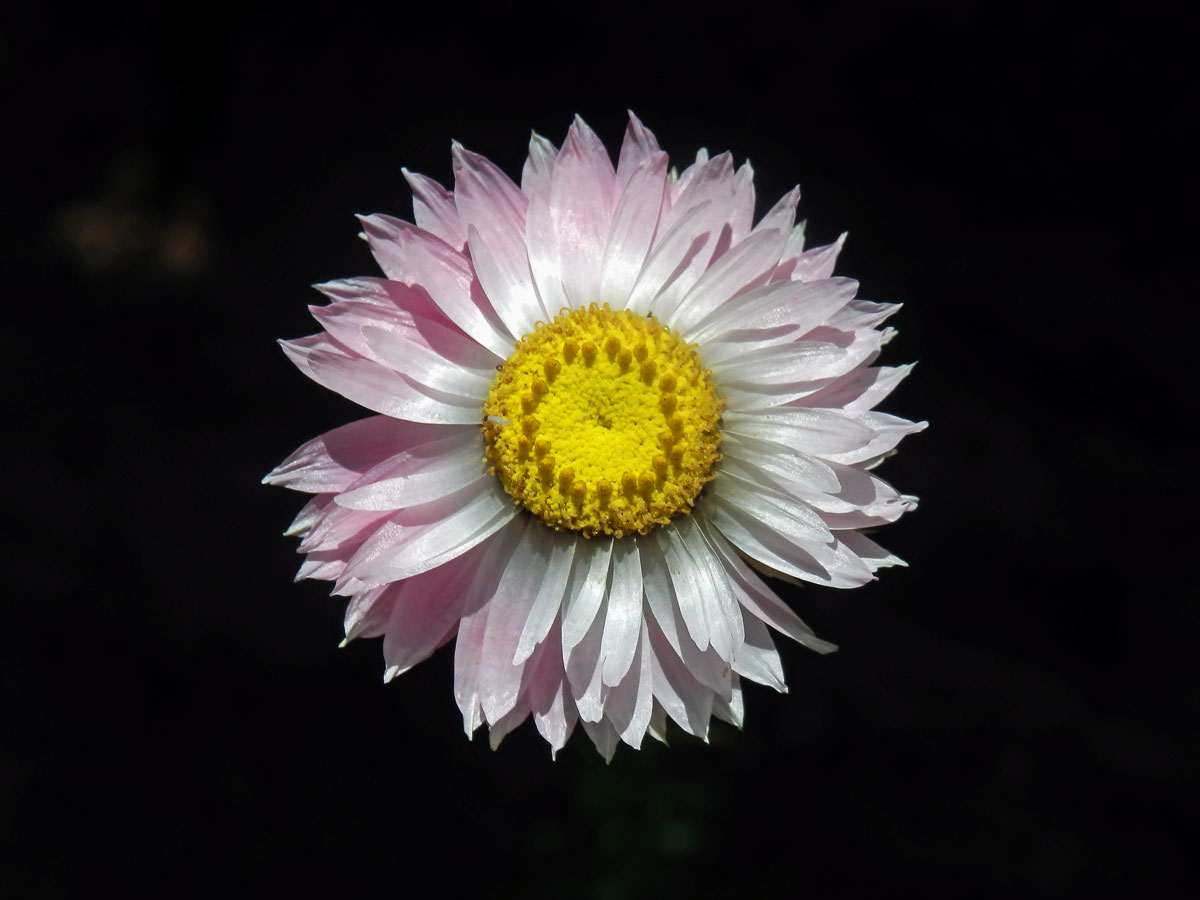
136	224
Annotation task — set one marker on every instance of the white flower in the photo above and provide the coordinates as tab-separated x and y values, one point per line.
600	394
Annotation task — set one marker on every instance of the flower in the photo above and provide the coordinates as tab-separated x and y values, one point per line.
604	400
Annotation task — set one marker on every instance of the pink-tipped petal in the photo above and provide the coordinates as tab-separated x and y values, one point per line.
434	209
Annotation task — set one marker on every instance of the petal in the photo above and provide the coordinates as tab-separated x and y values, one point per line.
633	227
408	254
752	459
553	554
757	658
624	617
583	664
419	538
870	552
639	143
783	364
788	550
426	612
421	473
336	459
682	697
889	431
376	387
368	612
604	736
550	699
740	267
535	175
434	209
589	582
436	358
793	305
860	390
814	431
631	702
732	710
504	275
568	228
773	510
817	263
468	647
758	599
508	609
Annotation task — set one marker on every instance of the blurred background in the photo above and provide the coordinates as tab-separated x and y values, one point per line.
1014	714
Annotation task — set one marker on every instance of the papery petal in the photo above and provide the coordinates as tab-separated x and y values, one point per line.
624	618
419	538
639	144
633	227
434	209
535	176
336	459
376	387
408	254
425	612
420	474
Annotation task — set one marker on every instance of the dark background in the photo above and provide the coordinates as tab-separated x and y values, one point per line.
1015	714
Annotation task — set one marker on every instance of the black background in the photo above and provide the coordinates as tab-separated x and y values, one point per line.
1015	714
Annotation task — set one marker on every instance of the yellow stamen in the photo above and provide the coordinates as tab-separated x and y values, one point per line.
650	427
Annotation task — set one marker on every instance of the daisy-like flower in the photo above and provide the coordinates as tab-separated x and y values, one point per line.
605	399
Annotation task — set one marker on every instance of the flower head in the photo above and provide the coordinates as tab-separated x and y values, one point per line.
605	398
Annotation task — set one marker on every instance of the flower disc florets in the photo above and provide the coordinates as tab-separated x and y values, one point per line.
603	422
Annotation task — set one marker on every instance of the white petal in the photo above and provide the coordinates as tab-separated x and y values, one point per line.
680	251
781	364
468	647
773	509
757	658
535	175
506	280
336	459
733	272
550	699
631	702
749	457
632	231
758	599
604	736
377	388
589	581
408	254
419	538
831	564
368	612
582	662
434	210
426	611
624	619
508	610
682	697
814	431
420	474
732	710
554	553
462	367
639	143
791	304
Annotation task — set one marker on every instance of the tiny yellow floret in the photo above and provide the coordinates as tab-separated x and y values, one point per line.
633	444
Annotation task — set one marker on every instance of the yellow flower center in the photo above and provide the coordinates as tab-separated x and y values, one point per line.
603	422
